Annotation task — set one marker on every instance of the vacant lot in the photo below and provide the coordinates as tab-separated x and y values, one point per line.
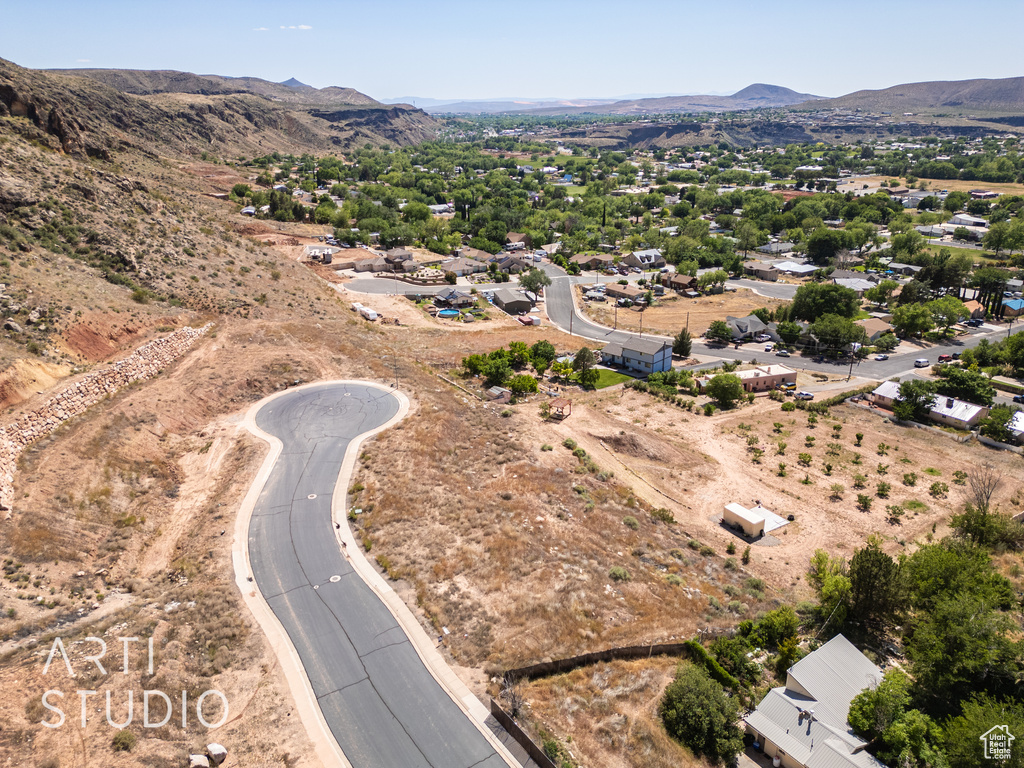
953	185
672	313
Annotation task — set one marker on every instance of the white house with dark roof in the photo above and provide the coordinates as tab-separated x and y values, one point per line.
804	723
640	355
649	259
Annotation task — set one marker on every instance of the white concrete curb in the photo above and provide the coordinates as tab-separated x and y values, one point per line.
316	726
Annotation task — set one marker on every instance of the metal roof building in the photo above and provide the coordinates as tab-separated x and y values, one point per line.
804	724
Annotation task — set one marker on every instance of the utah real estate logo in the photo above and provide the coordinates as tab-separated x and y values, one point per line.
997	741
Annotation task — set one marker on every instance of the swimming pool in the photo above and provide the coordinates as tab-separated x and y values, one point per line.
448	313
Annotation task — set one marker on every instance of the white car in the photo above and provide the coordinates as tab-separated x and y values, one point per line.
804	395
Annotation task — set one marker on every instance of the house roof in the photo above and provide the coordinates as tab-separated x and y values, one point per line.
1017	304
776	248
748	324
516	237
888	389
854	283
507	295
955	409
640	346
474	253
973	306
743	513
833	675
450	292
648	256
873	325
798	269
760	265
781	716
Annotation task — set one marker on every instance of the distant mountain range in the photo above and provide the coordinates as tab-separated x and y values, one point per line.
1003	95
751	97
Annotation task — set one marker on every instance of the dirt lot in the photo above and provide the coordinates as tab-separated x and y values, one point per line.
953	185
671	313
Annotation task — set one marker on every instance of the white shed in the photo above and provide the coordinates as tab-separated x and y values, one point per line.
750	521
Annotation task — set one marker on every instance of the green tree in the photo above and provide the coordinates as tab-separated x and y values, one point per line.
416	212
534	280
682	344
882	293
964	747
823	244
497	372
997	237
912	319
715	277
543	350
947	311
899	735
835	333
522	384
966	384
720	331
789	332
583	364
915	400
828	577
877	592
813	300
697	713
725	389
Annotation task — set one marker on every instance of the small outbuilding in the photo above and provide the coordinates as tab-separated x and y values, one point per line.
750	521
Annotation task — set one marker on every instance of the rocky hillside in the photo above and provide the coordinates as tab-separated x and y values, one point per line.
83	116
1005	95
144	82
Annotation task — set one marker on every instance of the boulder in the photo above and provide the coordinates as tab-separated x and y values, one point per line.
217	753
10	325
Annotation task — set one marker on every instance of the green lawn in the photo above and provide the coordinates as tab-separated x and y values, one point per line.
608	378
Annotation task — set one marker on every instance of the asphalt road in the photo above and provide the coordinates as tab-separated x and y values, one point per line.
380	702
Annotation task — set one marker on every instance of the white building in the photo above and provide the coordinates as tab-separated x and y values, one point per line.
641	355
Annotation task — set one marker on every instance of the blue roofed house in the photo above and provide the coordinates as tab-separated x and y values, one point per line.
1013	307
804	723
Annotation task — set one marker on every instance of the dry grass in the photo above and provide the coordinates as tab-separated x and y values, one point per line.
607	715
672	313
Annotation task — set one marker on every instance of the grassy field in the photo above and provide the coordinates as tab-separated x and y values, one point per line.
609	378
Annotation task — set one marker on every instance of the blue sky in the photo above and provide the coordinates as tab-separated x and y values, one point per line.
557	48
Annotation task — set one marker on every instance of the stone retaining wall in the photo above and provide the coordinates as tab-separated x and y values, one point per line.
144	363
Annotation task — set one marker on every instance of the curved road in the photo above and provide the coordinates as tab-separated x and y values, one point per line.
381	704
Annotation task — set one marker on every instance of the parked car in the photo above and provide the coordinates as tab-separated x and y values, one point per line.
945	358
804	395
764	337
1018	398
881	357
974	322
782	353
787	386
769	347
921	362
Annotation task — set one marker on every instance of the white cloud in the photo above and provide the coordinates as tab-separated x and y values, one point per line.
259	29
304	26
83	61
297	26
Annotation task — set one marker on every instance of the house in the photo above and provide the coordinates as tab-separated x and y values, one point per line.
649	259
746	327
1013	307
641	355
474	253
372	264
680	282
966	220
856	284
513	264
398	256
462	266
803	724
903	269
629	292
983	194
761	270
593	260
976	309
886	394
874	328
1016	426
551	248
776	249
440	209
518	240
450	296
792	268
748	521
956	413
512	302
499	395
760	379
